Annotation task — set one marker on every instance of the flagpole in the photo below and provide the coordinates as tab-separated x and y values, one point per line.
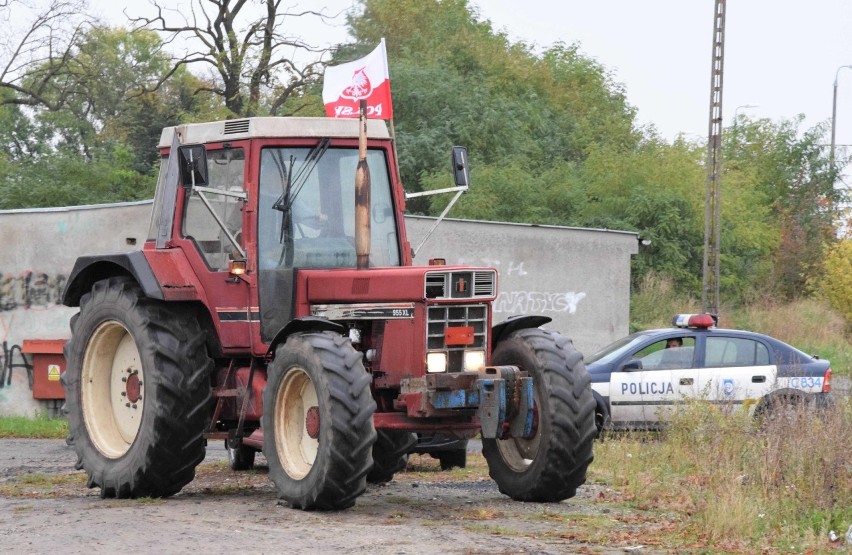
392	129
395	155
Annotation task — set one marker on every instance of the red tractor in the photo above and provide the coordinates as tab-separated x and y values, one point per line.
275	306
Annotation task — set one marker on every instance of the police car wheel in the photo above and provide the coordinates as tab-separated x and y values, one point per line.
779	409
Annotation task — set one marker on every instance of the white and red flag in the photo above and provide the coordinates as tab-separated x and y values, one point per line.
345	85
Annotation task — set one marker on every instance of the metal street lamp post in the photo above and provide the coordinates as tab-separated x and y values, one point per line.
834	114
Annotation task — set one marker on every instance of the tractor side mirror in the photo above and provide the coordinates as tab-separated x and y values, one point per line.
461	169
193	166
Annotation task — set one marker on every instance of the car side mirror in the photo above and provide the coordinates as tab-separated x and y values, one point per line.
631	365
193	166
461	168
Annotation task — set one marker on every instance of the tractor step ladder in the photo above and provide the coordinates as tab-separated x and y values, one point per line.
222	393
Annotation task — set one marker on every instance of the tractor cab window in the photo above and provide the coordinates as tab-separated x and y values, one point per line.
306	212
214	215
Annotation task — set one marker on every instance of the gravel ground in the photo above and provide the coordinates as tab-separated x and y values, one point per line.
422	511
45	507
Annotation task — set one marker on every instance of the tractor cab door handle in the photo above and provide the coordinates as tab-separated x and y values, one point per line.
685	381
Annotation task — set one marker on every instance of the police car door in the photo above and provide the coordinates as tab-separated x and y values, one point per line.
625	401
736	371
643	398
669	378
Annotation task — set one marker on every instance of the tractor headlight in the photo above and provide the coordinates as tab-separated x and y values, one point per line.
474	361
436	362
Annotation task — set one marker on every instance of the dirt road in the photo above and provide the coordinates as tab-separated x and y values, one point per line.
45	507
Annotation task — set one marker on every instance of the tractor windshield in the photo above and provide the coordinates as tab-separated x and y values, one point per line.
306	212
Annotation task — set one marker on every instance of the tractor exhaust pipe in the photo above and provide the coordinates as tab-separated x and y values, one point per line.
362	195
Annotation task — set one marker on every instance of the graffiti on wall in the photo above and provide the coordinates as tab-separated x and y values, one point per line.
533	302
30	290
9	362
527	302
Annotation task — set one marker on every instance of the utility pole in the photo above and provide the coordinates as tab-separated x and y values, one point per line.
712	198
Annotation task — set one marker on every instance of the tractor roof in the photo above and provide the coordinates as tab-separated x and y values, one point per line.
236	129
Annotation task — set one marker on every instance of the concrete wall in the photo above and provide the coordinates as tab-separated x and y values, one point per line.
39	250
578	277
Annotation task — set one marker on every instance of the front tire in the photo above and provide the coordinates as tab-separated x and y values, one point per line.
318	422
552	464
137	391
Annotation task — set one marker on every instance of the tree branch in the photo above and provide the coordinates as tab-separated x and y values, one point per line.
246	53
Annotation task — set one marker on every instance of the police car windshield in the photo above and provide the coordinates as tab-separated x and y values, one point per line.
614	350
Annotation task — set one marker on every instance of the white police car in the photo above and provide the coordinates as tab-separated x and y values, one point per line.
639	379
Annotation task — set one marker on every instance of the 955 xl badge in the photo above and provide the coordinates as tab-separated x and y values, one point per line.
365	311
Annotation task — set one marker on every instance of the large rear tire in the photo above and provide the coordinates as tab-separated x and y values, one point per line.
552	464
137	391
390	454
318	422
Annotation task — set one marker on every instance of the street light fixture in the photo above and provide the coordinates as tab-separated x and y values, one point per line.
744	107
834	114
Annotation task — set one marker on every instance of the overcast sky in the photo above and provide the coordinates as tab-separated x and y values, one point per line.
780	55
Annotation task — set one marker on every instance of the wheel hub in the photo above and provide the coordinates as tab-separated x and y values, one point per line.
312	422
133	386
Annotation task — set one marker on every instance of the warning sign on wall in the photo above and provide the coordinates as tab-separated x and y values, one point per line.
53	372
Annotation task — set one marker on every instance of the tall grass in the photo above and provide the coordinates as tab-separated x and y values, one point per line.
737	487
655	303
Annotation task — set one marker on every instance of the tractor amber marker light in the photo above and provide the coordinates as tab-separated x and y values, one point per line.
460	335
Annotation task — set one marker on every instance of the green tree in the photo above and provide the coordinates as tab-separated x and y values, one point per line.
784	175
836	280
99	144
456	81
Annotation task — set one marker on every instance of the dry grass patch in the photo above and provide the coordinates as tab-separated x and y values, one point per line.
44	485
735	487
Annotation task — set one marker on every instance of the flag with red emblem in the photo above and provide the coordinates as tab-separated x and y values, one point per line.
345	85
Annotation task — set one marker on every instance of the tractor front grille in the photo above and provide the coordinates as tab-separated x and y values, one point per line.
441	317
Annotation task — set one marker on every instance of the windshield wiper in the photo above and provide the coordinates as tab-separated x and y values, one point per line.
294	185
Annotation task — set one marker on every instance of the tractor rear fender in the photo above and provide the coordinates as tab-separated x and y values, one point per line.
303	324
90	269
512	323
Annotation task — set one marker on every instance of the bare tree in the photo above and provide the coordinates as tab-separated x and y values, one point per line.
254	64
32	60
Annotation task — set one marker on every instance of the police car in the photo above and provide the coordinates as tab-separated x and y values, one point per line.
638	380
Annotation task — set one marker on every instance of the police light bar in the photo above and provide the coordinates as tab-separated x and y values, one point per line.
694	320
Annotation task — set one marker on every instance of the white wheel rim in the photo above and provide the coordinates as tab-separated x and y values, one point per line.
295	398
112	389
519	453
